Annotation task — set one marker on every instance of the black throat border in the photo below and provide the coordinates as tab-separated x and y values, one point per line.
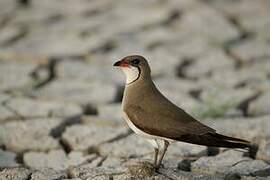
137	77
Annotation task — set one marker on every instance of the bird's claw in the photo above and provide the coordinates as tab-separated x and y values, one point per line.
157	167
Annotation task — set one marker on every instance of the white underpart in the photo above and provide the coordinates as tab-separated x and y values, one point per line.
155	141
131	73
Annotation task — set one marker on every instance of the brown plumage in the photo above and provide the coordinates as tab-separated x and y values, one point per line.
151	112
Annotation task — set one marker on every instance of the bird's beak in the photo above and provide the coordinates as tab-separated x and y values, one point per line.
117	63
121	63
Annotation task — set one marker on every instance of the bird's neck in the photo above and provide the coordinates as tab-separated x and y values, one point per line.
137	91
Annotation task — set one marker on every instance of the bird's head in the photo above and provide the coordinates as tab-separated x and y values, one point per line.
134	67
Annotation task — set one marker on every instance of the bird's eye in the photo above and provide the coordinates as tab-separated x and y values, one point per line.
135	62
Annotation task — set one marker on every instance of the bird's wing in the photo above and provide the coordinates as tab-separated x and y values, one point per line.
166	121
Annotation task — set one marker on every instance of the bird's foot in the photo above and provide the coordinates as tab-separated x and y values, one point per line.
157	167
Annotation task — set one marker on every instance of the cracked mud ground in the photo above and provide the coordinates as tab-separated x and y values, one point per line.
60	97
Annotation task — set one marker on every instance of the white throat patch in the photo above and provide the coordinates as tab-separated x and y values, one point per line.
131	73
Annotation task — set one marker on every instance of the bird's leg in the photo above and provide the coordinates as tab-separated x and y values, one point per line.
166	144
155	156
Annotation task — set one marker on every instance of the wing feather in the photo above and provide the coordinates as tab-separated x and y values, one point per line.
166	123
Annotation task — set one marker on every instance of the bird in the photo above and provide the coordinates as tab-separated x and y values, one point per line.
152	116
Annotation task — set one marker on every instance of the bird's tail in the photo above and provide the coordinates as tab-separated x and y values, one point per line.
232	142
219	140
229	142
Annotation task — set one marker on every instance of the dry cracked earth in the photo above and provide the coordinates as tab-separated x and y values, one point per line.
60	98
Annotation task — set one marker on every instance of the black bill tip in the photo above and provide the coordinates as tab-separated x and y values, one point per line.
117	63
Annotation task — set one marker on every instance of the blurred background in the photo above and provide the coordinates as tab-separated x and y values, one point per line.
60	97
